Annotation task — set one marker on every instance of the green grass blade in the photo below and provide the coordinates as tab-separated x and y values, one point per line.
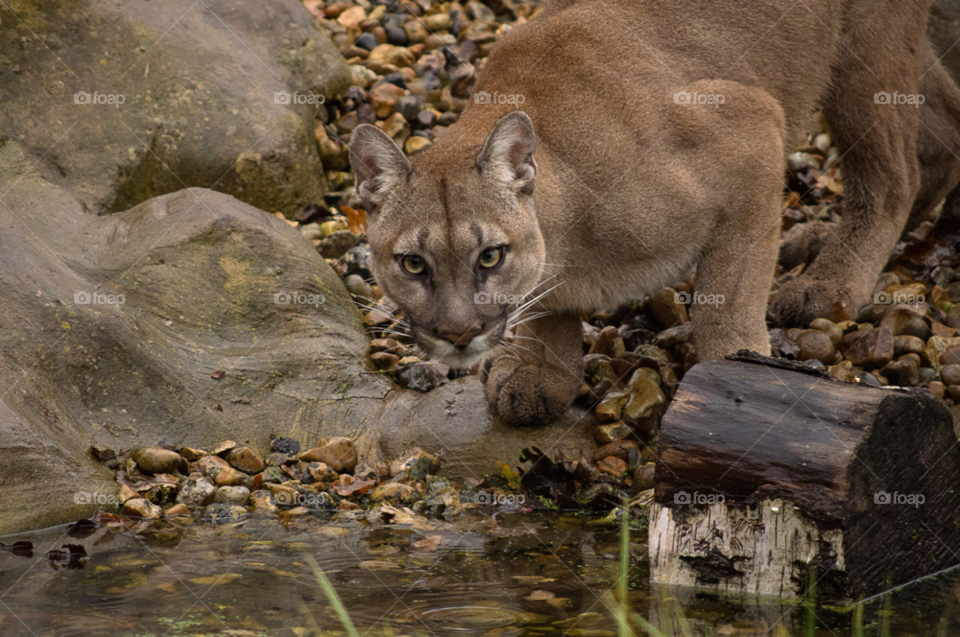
644	625
333	598
623	627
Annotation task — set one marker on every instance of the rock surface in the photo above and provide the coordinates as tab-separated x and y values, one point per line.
188	98
82	368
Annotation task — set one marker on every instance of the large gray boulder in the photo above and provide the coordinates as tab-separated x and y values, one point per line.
186	94
111	327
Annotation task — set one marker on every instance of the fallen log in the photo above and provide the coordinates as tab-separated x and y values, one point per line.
771	473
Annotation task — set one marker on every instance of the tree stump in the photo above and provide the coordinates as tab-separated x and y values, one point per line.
771	473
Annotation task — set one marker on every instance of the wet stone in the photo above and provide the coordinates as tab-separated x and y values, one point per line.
195	491
906	344
153	460
175	510
140	507
337	452
936	388
192	455
230	477
223	447
273	475
904	373
667	308
222	513
618	449
245	459
645	397
279	459
950	374
608	343
815	345
384	360
417	464
870	349
395	492
951	356
232	495
367	41
611	432
928	375
319	472
613	466
643	477
210	465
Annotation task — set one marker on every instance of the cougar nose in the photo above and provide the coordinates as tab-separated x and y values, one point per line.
460	337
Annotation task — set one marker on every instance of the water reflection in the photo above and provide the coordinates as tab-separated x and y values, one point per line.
523	575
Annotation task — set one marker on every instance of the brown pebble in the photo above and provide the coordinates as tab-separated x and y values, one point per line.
668	308
610	432
815	345
905	344
954	392
936	388
618	449
950	374
869	349
951	356
337	452
245	459
643	477
613	466
384	360
177	509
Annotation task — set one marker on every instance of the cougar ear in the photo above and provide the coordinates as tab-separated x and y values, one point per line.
507	155
378	164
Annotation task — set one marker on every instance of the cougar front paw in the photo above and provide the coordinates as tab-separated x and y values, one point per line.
527	395
803	299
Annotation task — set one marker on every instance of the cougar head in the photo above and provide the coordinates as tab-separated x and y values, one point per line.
454	239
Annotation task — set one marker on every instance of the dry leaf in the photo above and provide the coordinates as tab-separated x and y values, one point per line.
356	219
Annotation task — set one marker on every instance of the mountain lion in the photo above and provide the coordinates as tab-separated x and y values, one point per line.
651	143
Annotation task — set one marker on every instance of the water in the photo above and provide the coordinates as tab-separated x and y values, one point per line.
520	575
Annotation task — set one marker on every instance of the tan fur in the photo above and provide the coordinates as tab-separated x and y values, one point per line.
607	188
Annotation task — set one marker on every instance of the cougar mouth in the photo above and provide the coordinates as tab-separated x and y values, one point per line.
460	358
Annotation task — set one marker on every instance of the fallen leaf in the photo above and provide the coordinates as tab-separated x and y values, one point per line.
212	580
356	219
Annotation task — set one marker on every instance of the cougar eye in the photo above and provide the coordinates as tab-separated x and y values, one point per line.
490	257
414	264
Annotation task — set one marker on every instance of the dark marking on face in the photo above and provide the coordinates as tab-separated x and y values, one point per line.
477	232
446	210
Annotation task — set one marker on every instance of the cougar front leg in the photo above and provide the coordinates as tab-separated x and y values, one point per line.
535	384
